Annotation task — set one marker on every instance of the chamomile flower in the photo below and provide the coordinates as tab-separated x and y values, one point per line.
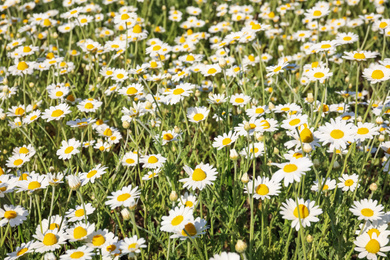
224	140
93	174
292	171
301	213
372	246
20	251
53	224
130	159
360	55
56	112
12	215
367	210
132	245
50	240
239	100
153	161
366	131
177	219
178	94
226	256
348	182
193	229
79	231
78	214
17	160
294	121
262	188
200	177
336	133
376	73
68	148
81	253
127	196
197	114
34	182
151	174
253	150
188	200
326	185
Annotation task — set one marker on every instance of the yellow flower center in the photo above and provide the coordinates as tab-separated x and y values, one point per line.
190	58
33	185
77	255
319	75
373	246
211	71
10	214
198	175
337	134
178	91
290	168
326	46
190	228
168	137
123	197
26	49
130	161
54	226
91	173
373	230
21	251
198	117
348	182
239	100
23	150
107	132
88	105
98	240
57	113
177	220
22	65
262	189
226	141
359	56
79	232
347	38
306	135
377	74
125	16
152	159
49	239
189	204
367	212
303	211
363	131
19	111
69	149
111	248
294	122
79	213
317	13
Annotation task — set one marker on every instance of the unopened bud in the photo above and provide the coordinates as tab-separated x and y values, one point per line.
3	116
276	150
379	120
198	93
73	182
307	148
5	89
125	214
346	79
259	137
373	187
310	98
271	105
245	178
51	169
233	154
222	62
381	138
5	81
31	84
359	119
336	165
247	126
148	105
176	129
125	124
309	239
173	196
316	162
384	159
241	246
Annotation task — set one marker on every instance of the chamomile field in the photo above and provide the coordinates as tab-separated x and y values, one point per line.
211	130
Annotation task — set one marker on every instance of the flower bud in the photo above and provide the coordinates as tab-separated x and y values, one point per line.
373	187
148	105
176	129
247	126
379	120
245	178
276	150
259	137
280	48
233	154
381	138
5	89
336	165
384	159
125	124
316	163
222	62
241	246
31	84
271	105
73	181
173	196
125	214
309	238
310	98
198	93
359	119
307	148
51	169
5	81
